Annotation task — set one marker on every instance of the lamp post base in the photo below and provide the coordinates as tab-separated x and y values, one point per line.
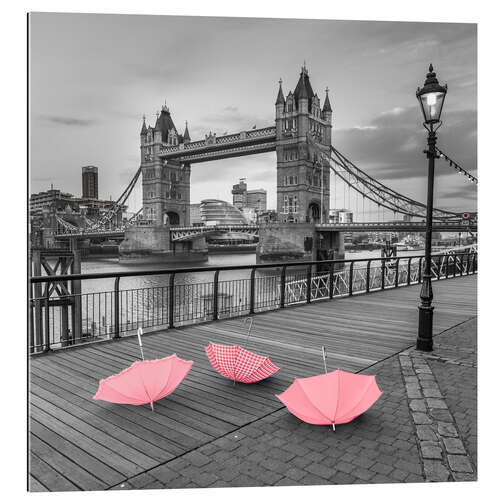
424	339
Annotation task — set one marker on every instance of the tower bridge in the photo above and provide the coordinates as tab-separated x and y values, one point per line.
301	136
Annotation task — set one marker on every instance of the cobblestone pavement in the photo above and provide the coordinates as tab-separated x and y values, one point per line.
422	428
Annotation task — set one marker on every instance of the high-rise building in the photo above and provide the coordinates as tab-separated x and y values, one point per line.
243	198
90	182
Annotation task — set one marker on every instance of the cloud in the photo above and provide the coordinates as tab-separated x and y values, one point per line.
391	145
67	120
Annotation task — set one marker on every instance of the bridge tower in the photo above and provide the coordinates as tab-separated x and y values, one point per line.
303	184
165	185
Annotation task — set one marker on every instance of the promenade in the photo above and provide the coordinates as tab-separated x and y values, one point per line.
211	433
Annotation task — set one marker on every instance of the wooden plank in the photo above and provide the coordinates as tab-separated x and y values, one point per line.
51	478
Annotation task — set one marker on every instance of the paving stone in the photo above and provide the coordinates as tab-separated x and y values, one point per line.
178	482
286	481
459	463
418	405
345	467
454	446
432	393
442	415
420	417
463	476
425	433
155	485
363	474
436	403
435	471
446	429
295	474
399	474
430	450
164	473
141	480
320	470
381	468
196	458
300	462
205	479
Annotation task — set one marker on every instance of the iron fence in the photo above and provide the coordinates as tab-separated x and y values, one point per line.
59	318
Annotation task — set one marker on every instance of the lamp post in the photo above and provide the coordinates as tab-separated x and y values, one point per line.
431	97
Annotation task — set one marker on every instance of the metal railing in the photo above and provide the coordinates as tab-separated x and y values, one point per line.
58	320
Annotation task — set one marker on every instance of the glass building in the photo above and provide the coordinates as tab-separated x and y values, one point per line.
219	212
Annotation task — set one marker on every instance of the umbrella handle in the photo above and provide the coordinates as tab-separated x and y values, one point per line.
250	320
324	357
139	333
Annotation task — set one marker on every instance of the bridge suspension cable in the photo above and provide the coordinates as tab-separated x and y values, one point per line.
120	202
457	167
375	191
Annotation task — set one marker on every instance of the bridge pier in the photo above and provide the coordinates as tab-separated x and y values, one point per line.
287	242
152	243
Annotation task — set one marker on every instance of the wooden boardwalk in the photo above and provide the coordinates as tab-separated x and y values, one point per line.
78	443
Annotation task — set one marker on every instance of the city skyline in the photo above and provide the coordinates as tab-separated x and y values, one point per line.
89	92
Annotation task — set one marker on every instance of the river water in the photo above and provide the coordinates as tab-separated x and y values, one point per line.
113	264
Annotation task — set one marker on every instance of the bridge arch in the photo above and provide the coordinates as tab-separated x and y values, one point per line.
314	212
172	218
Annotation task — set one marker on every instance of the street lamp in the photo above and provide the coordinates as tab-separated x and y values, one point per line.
431	97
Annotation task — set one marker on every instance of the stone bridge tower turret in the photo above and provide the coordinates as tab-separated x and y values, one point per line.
303	185
165	186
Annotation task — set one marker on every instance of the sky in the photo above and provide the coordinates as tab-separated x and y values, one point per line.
93	76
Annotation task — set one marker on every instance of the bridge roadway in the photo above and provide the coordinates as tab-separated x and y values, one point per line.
192	232
78	443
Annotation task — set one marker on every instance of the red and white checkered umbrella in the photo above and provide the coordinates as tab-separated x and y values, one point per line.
238	364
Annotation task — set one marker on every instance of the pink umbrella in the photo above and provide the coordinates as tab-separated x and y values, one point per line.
333	398
144	381
236	363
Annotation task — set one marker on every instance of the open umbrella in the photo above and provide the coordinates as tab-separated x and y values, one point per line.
144	381
332	398
239	365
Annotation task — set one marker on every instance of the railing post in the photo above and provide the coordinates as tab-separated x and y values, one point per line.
461	264
454	265
447	266
117	308
396	276
309	283
351	274
382	273
252	291
420	270
216	296
330	281
47	319
439	268
171	300
282	287
368	276
408	278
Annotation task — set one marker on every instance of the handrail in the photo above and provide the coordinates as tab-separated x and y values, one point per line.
159	272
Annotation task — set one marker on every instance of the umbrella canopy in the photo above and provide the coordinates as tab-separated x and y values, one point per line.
238	364
333	398
144	381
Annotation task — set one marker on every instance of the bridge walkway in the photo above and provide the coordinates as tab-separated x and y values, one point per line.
77	443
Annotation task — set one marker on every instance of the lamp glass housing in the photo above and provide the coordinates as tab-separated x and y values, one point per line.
432	104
